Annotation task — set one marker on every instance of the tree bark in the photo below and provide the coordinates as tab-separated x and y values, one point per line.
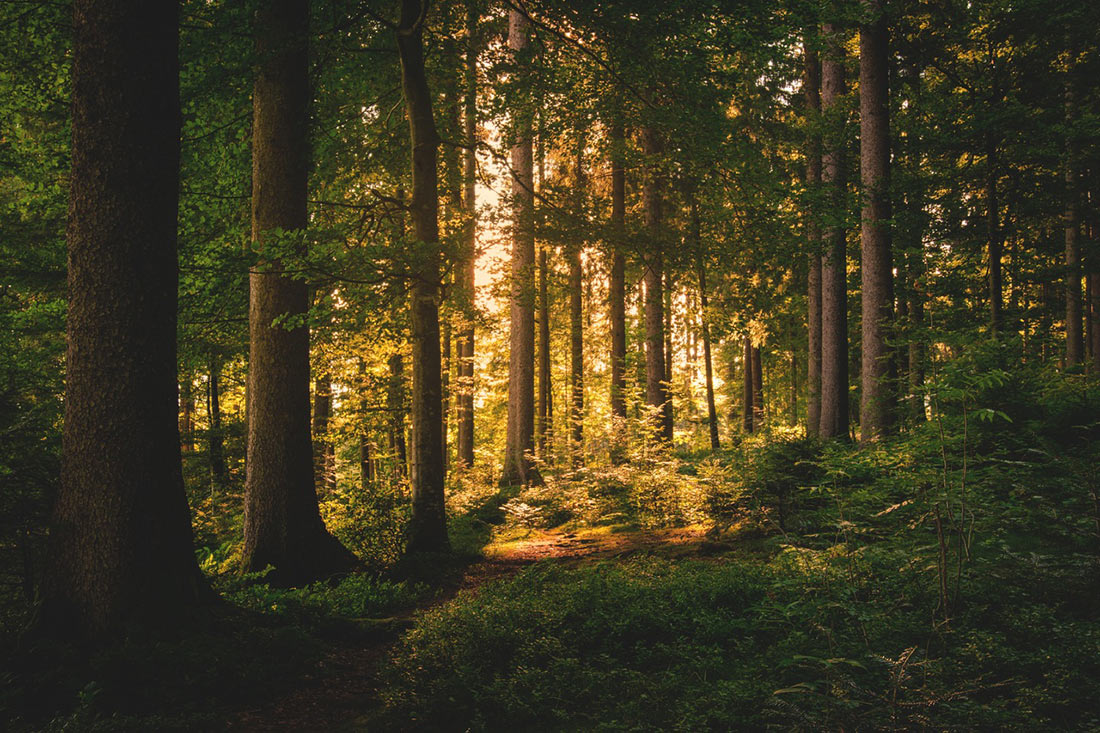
466	279
120	549
704	325
812	90
834	296
757	388
395	408
187	418
282	523
996	238
546	387
324	456
669	289
617	285
876	269
576	327
518	467
1074	336
428	525
215	438
656	375
747	412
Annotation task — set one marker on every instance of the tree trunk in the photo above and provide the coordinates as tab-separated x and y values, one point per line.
656	385
1074	337
216	448
670	288
704	325
466	279
793	403
757	388
617	285
518	467
324	456
877	373
282	523
428	525
395	408
546	387
747	415
120	548
834	296
187	417
576	328
996	238
812	90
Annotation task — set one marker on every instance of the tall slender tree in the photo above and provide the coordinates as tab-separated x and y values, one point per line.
466	278
576	321
428	526
616	294
519	440
657	396
876	270
120	541
811	89
282	522
834	283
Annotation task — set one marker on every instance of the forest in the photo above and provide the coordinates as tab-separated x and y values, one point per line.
517	365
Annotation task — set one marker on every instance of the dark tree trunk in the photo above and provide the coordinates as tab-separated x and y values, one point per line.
617	285
395	408
546	392
747	422
216	445
366	465
793	404
834	295
466	278
518	467
656	385
670	287
324	456
757	388
812	91
187	416
120	549
282	523
996	238
1075	352
704	325
576	329
877	403
428	525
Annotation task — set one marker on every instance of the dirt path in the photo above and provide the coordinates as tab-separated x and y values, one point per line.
345	682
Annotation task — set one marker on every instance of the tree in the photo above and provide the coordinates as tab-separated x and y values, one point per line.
834	283
877	373
120	543
811	89
282	522
428	527
576	322
616	294
465	398
657	396
518	468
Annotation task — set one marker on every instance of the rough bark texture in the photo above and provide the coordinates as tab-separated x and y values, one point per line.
617	286
834	296
215	439
428	526
120	542
811	87
747	422
877	403
466	277
656	385
282	523
518	468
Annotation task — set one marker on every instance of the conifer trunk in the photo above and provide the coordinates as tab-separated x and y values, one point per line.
120	548
428	525
747	422
617	285
876	269
466	278
215	438
1074	336
656	375
757	388
282	522
324	457
576	328
812	91
834	296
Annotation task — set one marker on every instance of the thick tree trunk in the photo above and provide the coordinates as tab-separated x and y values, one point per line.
466	278
656	375
282	523
757	388
215	438
120	548
747	422
324	456
428	525
877	402
811	86
834	295
617	285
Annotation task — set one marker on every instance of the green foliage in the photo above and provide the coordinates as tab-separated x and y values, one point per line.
356	596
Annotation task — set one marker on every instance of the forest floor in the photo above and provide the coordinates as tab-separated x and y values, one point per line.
341	690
